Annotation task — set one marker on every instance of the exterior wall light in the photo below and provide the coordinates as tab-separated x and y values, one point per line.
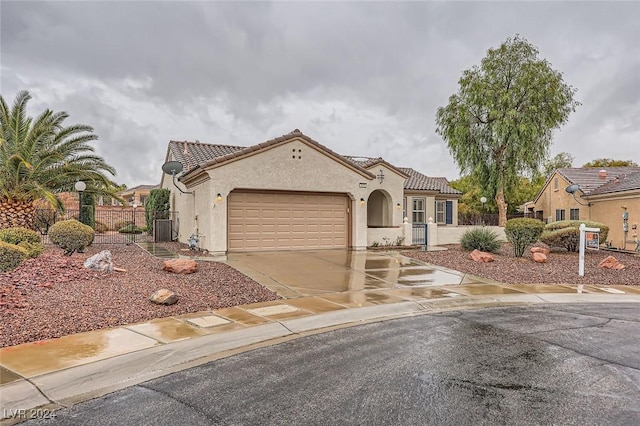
219	197
398	206
362	201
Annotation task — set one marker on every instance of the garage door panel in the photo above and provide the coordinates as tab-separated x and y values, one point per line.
277	221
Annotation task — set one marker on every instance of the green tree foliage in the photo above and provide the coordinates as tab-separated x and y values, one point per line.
469	204
609	162
499	124
156	206
40	158
560	161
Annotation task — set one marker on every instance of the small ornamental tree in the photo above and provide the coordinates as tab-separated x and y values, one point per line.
156	207
522	233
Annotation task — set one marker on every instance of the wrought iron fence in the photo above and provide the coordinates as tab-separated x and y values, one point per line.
115	226
488	219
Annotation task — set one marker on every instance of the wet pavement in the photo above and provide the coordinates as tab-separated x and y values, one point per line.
321	290
534	364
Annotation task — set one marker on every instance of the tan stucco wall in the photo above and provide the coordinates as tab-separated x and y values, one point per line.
609	212
430	208
552	199
277	169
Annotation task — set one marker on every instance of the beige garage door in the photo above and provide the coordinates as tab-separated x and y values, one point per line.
286	221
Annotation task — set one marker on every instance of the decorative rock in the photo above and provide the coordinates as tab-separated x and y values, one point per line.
480	256
100	262
542	250
180	266
611	262
539	257
163	297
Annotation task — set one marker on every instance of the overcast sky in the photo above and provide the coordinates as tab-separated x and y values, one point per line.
362	78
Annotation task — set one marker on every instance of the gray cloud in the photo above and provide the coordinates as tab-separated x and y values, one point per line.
362	78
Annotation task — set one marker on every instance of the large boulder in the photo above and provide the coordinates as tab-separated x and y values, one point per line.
481	256
542	250
163	297
611	262
539	257
180	266
101	262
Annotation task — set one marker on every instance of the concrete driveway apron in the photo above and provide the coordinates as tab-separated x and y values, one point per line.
313	273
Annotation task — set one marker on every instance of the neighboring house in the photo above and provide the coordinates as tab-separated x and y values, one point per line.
603	196
136	195
291	192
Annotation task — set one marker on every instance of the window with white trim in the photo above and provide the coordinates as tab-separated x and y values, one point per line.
441	209
418	210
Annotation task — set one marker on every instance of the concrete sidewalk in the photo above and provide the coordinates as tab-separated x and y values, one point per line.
60	372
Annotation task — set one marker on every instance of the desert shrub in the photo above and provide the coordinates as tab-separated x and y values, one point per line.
566	233
122	224
523	232
33	249
130	229
100	227
71	235
18	234
482	239
11	256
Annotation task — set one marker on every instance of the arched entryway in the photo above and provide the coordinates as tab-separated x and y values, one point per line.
379	211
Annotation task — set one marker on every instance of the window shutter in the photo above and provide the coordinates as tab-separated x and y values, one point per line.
449	212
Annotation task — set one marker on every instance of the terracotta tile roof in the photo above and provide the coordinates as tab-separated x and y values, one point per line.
363	162
420	182
193	154
589	178
628	182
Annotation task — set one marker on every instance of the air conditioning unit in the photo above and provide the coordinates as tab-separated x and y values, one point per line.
162	230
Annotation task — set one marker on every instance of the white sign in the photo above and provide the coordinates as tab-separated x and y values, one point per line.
583	242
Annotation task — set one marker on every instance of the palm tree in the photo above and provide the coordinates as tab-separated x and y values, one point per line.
41	158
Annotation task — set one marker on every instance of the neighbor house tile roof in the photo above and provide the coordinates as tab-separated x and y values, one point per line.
589	178
628	182
418	181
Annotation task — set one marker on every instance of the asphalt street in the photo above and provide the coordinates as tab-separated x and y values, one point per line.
544	364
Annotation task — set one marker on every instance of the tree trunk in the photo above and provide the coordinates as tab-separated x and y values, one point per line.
502	208
16	213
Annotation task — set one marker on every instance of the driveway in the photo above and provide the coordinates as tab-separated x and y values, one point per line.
544	364
310	273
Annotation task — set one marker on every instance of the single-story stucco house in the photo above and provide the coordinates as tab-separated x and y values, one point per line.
292	192
610	196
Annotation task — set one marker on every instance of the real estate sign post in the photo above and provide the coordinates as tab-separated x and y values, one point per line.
589	237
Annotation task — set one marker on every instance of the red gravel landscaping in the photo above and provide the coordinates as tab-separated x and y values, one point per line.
561	268
54	295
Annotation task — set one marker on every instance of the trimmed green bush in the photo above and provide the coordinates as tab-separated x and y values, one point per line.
566	233
33	249
11	256
130	229
523	232
482	239
71	235
25	238
18	234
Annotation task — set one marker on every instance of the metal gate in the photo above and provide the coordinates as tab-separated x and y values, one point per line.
111	226
419	234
